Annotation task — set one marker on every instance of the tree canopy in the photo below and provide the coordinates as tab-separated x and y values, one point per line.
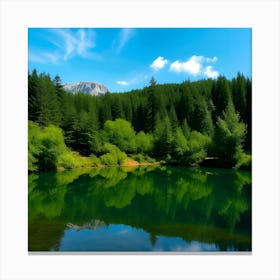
177	123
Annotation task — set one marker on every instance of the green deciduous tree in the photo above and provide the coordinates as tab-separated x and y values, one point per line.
121	133
34	145
113	155
144	142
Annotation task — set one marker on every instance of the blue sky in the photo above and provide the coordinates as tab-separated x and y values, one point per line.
126	58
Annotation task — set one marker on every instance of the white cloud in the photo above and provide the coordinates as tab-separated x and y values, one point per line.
213	59
192	66
159	63
195	66
122	83
210	73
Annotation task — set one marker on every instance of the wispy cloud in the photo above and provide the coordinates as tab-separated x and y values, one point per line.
63	44
158	63
72	43
195	65
122	83
43	57
124	36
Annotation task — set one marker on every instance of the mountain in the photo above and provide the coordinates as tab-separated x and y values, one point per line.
95	224
92	88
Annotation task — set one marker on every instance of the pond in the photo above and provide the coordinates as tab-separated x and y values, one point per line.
140	209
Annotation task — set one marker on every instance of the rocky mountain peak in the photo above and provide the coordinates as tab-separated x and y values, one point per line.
92	88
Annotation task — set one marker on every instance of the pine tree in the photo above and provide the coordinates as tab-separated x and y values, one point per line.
33	97
152	107
163	138
173	118
229	137
221	96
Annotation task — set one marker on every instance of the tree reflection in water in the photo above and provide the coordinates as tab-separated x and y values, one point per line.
212	206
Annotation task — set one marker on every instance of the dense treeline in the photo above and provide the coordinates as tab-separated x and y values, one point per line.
177	123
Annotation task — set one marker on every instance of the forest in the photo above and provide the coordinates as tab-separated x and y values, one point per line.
205	122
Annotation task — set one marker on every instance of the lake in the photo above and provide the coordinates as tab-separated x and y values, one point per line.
140	209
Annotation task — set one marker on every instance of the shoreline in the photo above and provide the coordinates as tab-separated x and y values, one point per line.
60	168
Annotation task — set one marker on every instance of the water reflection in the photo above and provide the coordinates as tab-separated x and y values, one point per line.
181	208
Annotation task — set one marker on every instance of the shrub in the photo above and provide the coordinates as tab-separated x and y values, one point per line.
198	144
149	159
34	145
113	156
143	158
244	161
71	160
121	133
95	161
138	157
144	142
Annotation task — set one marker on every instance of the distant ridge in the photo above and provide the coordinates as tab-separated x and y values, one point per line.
92	88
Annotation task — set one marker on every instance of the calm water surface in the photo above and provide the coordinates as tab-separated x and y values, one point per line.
140	209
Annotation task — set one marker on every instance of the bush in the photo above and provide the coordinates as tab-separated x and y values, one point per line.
149	159
138	157
34	145
52	147
95	161
244	161
113	156
121	133
109	159
45	146
143	158
71	160
144	142
198	145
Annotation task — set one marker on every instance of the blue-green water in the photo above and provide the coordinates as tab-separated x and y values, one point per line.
140	209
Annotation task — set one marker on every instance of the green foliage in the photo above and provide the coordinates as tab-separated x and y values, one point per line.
198	145
163	138
244	161
221	95
159	120
52	147
69	160
180	146
143	158
191	150
43	101
121	134
34	145
113	155
138	157
95	161
229	137
144	142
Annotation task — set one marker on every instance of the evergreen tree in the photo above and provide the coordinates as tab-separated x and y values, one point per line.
58	88
174	122
173	118
116	108
152	107
239	95
33	97
221	96
163	138
229	136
